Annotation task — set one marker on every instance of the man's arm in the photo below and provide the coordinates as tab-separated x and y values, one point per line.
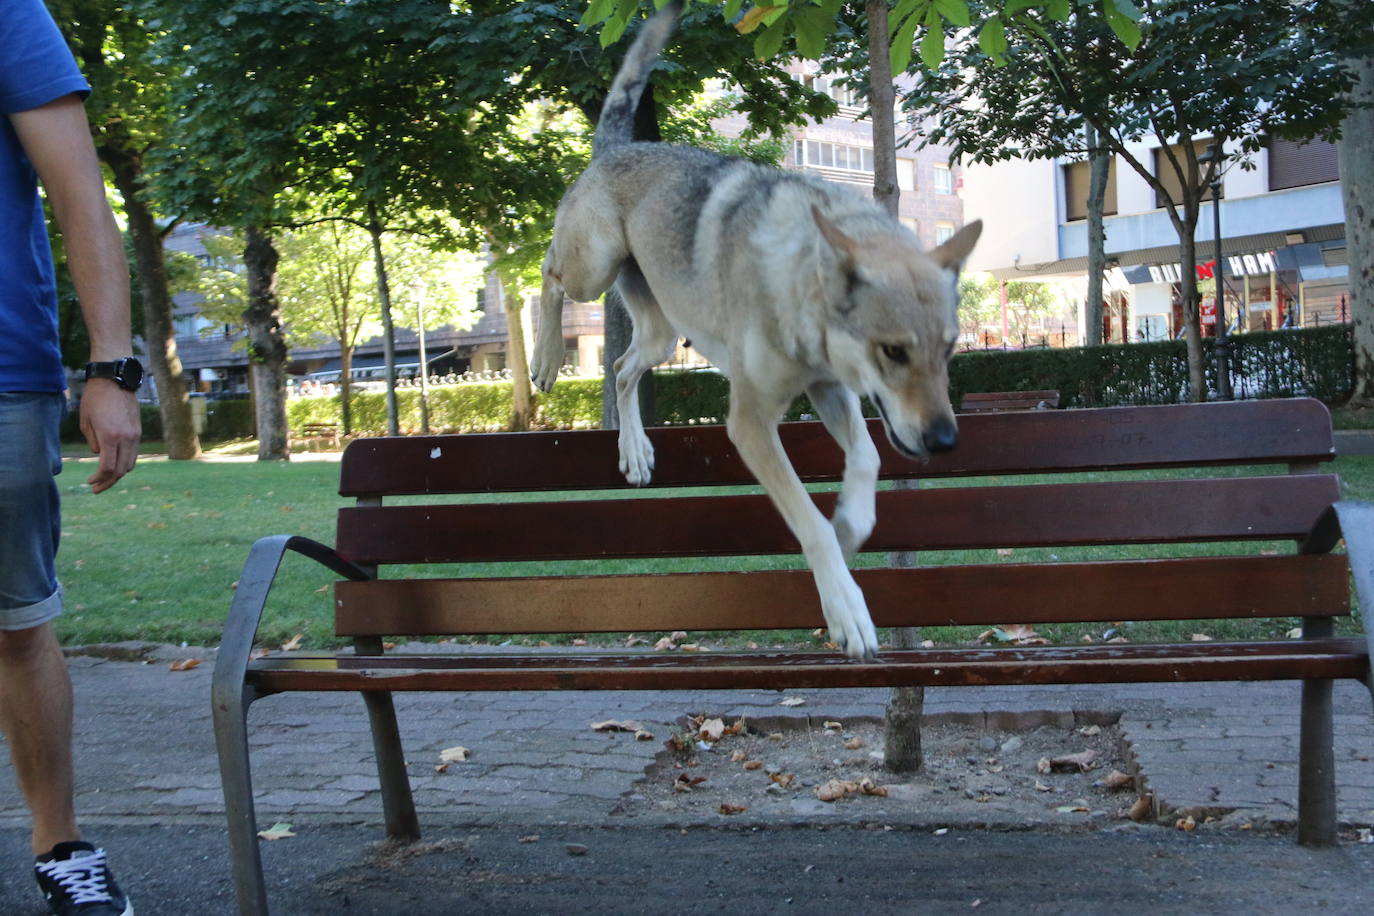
57	139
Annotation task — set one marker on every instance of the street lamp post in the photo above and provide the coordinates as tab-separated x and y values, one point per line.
1223	344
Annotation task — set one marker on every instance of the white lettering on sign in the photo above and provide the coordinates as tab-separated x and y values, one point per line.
1244	265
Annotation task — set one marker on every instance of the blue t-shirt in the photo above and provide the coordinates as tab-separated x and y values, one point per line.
36	68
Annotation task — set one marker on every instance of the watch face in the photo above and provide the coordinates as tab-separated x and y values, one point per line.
129	373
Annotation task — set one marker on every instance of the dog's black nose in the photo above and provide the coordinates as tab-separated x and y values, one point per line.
941	436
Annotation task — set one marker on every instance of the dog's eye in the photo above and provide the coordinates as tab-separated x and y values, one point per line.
895	353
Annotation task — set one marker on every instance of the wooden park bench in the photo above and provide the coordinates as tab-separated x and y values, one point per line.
989	401
1193	498
327	432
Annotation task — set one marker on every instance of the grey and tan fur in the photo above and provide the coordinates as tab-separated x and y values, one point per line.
787	284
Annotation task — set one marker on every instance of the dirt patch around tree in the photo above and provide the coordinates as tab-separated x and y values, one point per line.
1057	773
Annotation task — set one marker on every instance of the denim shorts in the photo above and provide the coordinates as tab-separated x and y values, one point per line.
30	518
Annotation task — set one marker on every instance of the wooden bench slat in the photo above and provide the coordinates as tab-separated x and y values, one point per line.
1119	512
1286	660
1198	588
1029	442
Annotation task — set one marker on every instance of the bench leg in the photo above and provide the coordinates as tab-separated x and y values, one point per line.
1317	753
398	806
1317	767
231	740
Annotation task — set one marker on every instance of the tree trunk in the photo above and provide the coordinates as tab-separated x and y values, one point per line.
267	350
1187	250
905	705
159	328
374	229
1357	191
881	97
1100	161
346	386
517	356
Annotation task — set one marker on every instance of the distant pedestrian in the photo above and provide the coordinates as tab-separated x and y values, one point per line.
44	136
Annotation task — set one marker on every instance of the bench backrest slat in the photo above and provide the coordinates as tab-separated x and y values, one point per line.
1119	512
1198	588
997	443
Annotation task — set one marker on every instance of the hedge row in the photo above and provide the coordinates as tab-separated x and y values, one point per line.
1313	362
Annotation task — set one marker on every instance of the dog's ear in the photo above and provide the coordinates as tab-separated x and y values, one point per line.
952	253
844	246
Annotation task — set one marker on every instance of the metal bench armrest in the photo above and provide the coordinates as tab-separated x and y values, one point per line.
250	597
1353	521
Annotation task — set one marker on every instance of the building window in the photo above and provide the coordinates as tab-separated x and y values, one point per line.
833	156
1168	175
943	232
944	179
906	174
1076	176
1297	163
845	98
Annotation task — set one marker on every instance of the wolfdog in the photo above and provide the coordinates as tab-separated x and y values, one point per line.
787	284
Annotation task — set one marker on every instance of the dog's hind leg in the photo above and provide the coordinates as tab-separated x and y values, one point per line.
753	428
855	514
548	350
651	343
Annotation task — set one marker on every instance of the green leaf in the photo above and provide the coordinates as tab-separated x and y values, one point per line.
1127	9
769	42
992	38
813	25
902	44
612	30
1058	10
732	8
956	11
933	48
1125	28
598	11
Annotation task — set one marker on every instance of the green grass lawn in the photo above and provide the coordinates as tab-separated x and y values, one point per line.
156	558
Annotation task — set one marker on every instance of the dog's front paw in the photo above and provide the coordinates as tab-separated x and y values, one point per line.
851	627
636	457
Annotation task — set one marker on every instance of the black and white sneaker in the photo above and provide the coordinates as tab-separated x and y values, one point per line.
77	882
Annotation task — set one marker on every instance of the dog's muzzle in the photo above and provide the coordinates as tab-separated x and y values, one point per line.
940	436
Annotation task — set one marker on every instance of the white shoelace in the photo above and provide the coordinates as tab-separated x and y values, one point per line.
82	877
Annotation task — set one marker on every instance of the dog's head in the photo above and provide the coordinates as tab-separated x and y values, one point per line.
896	318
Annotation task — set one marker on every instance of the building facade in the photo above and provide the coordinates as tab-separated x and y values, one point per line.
1282	238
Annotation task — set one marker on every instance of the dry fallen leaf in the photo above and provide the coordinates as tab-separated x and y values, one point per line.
853	744
753	764
579	641
185	664
685	782
1186	824
617	725
834	726
278	831
783	779
1116	780
642	734
456	754
1042	765
727	808
1090	730
1072	809
738	757
869	787
738	728
712	730
834	790
1141	809
1081	762
792	701
293	643
665	644
530	838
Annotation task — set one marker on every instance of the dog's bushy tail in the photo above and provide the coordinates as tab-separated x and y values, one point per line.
616	124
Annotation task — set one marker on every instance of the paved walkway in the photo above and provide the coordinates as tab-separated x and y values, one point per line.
145	750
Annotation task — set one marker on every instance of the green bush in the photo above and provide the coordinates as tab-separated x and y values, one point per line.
229	420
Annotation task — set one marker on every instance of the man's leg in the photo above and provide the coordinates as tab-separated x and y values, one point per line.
36	717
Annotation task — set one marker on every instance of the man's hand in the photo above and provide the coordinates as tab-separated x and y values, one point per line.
110	423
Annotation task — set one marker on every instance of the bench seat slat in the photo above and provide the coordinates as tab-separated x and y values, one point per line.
1177	435
1286	660
1120	512
1196	588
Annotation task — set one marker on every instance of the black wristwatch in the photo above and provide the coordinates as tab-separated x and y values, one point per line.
127	373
